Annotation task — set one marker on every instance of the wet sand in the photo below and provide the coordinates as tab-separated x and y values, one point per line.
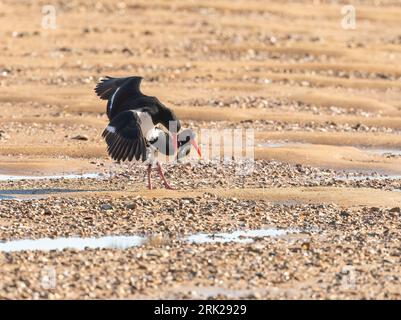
325	107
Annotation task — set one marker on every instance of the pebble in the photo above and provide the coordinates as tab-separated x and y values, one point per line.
106	206
80	137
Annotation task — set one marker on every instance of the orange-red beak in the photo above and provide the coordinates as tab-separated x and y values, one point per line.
196	147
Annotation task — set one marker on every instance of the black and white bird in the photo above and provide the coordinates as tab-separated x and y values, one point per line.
132	133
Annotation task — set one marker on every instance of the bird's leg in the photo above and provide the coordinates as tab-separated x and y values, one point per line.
149	176
160	169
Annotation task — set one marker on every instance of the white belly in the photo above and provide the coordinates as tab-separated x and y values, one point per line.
146	124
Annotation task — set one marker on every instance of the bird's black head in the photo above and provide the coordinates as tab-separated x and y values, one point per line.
185	140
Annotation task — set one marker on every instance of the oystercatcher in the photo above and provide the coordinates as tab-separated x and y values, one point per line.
132	133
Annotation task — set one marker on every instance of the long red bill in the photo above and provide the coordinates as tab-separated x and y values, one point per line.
196	147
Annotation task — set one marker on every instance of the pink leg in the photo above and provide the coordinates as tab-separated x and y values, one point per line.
149	177
166	184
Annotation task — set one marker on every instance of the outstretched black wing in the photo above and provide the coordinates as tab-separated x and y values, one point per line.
107	86
125	138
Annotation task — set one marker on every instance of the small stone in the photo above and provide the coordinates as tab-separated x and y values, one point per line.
131	205
106	206
127	51
306	246
255	295
80	137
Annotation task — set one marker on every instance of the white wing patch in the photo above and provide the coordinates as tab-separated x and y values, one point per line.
112	99
153	134
111	129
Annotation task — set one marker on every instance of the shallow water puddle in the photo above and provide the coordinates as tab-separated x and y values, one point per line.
33	194
124	242
20	198
46	244
246	236
371	150
4	177
383	151
214	291
369	177
277	144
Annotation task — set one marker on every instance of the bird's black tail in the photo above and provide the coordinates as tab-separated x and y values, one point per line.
107	86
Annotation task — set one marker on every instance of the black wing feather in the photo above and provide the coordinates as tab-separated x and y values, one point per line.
107	86
131	152
124	137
